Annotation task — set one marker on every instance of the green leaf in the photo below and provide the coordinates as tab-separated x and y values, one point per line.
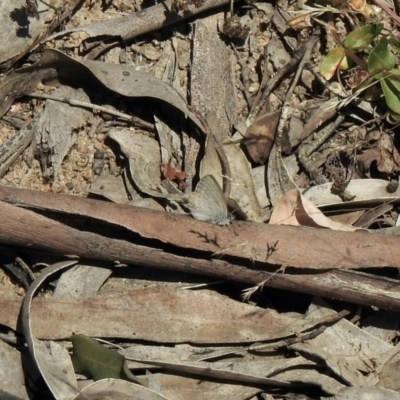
392	95
362	37
381	58
395	117
92	359
395	43
333	61
394	76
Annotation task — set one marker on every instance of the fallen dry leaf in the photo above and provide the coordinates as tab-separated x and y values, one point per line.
294	209
174	175
157	314
260	136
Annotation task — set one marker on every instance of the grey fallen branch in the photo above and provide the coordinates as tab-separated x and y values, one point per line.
168	241
141	22
77	103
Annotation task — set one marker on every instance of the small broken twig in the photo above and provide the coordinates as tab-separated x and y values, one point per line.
76	103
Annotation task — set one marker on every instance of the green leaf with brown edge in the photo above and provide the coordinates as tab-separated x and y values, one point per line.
372	90
381	58
92	359
362	37
395	117
394	76
335	59
392	95
394	43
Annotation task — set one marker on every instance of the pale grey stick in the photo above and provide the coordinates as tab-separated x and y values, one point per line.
95	107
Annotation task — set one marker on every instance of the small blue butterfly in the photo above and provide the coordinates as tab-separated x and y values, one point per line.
207	202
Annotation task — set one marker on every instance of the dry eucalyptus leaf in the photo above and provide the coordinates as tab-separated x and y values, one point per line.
171	156
152	313
259	186
277	53
260	136
165	147
179	387
309	377
178	352
293	209
57	127
110	187
322	113
118	389
388	376
134	144
352	354
367	192
293	136
278	179
131	83
20	83
82	281
147	202
384	324
365	393
381	156
120	79
19	28
242	189
256	369
55	367
227	371
171	75
12	376
350	217
143	154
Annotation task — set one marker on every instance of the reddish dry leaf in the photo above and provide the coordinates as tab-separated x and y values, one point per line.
174	175
348	218
365	160
260	136
294	209
385	156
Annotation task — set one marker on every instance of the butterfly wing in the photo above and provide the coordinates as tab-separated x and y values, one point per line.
207	202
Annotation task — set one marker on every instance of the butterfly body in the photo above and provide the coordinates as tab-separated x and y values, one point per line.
207	202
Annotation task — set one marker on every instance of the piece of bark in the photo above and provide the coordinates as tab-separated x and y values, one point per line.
297	247
156	314
212	78
26	228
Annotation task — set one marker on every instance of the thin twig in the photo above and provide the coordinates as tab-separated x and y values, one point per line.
297	57
306	50
77	103
307	149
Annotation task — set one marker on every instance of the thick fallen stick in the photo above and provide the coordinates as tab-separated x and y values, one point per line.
248	243
174	242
